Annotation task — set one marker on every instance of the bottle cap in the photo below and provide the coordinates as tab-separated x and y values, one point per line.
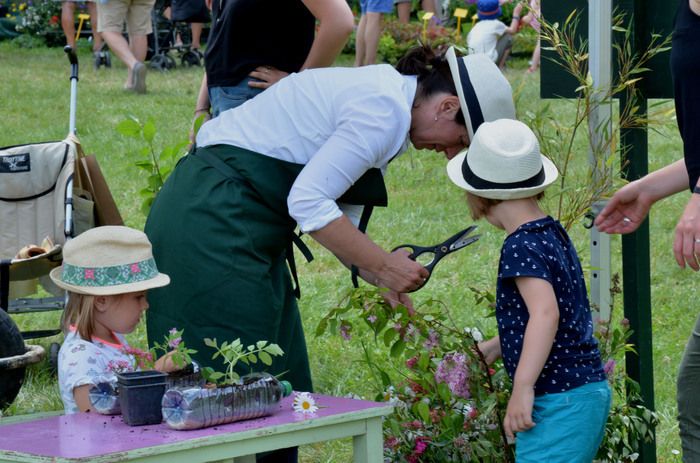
286	388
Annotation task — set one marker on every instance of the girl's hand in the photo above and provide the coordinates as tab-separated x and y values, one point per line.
519	413
267	75
490	349
166	364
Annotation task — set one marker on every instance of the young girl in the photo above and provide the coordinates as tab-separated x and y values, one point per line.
106	271
560	399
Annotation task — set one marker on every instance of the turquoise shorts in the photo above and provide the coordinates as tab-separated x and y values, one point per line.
569	426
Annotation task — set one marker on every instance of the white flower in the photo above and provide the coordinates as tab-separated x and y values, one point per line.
304	403
475	334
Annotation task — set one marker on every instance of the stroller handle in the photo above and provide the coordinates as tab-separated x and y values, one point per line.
73	58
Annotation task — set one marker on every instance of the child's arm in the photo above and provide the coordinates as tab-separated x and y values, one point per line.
165	364
541	329
81	394
515	22
491	349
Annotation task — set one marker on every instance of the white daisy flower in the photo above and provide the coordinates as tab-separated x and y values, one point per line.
304	403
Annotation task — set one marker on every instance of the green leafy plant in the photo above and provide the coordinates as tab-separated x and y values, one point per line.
449	402
145	359
158	164
558	138
235	352
39	18
629	423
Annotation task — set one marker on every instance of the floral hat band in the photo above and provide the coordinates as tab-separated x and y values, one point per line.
108	260
110	276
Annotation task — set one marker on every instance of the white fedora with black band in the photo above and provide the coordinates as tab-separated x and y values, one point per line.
503	162
484	92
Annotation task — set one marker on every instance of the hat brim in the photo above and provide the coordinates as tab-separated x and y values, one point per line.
158	281
454	171
494	15
454	69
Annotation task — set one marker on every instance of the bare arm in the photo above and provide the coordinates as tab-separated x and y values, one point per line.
541	329
630	205
202	107
336	23
81	394
515	22
390	270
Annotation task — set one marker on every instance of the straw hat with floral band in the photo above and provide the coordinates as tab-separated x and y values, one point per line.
484	92
503	162
108	260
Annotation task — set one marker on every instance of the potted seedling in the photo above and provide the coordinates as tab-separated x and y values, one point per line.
227	397
139	388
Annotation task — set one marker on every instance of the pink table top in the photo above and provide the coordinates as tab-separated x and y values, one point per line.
85	435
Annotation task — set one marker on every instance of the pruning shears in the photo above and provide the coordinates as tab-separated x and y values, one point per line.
436	253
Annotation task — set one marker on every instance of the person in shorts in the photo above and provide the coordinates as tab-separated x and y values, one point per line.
370	29
113	14
68	24
491	36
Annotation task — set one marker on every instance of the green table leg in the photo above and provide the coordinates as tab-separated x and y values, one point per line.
368	447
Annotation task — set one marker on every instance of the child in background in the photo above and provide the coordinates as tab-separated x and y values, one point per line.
532	18
106	271
489	35
560	399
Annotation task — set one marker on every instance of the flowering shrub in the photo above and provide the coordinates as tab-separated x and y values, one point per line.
41	17
449	401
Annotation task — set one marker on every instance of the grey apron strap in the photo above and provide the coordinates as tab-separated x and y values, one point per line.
229	172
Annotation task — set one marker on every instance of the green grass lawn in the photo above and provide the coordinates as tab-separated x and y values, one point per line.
424	208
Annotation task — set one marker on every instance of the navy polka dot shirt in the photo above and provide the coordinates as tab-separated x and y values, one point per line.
543	249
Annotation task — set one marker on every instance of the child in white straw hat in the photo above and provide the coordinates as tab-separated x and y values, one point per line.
106	271
560	399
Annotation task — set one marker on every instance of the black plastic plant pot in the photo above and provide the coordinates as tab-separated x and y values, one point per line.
140	395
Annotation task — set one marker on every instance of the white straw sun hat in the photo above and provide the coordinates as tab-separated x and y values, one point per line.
108	260
484	92
503	162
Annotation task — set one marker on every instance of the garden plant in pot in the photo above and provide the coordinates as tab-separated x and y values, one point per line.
227	397
138	388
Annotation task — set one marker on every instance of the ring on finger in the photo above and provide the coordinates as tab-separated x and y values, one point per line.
697	240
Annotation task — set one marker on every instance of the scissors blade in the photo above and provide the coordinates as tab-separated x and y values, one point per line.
464	239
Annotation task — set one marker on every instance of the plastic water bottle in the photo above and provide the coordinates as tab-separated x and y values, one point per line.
257	395
104	398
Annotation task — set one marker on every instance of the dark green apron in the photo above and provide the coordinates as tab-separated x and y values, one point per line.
222	233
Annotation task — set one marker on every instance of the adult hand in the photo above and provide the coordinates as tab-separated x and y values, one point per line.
394	299
625	211
519	412
686	245
400	273
267	76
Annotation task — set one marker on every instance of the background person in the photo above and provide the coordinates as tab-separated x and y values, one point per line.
369	30
489	35
68	25
137	16
560	399
630	205
254	43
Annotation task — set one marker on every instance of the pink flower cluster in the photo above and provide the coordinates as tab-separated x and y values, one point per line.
453	370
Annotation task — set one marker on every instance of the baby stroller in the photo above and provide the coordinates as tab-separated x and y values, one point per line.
38	204
166	32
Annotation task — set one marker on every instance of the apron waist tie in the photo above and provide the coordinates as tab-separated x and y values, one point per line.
294	239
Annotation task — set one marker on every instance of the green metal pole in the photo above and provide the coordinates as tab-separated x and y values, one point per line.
635	279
